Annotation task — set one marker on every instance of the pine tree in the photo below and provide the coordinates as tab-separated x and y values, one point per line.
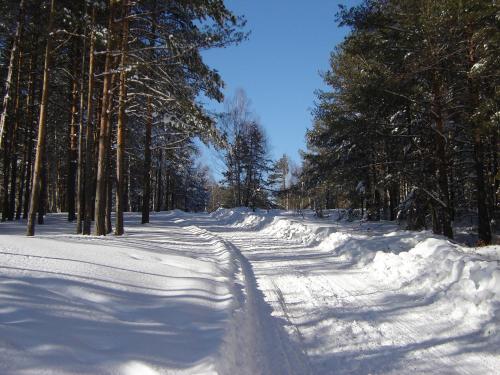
159	75
40	148
277	179
417	149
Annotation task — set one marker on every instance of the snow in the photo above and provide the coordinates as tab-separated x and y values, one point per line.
365	298
243	292
478	67
155	299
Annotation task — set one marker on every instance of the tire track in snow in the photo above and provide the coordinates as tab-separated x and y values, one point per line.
286	313
256	342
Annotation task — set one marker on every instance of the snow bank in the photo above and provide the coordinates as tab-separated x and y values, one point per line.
442	270
292	230
230	216
242	217
249	221
433	265
349	241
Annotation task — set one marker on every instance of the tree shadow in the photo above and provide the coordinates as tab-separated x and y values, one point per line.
82	324
87	320
401	359
374	358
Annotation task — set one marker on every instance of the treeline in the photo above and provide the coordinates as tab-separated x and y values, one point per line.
410	124
250	177
100	109
246	155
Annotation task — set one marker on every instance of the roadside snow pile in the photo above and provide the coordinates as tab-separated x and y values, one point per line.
368	298
249	221
437	268
220	213
347	247
429	263
242	217
430	266
361	248
231	216
291	230
349	242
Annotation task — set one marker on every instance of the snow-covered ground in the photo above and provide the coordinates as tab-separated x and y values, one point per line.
155	299
236	292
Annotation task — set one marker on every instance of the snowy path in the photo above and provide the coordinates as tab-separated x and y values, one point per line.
256	342
349	320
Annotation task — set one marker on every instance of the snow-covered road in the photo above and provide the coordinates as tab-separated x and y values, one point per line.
241	293
354	312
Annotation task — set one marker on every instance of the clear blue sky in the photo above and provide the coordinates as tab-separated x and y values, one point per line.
279	65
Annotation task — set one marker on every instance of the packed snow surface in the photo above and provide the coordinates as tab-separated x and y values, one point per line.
238	292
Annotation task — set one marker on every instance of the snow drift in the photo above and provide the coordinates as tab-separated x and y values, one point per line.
364	297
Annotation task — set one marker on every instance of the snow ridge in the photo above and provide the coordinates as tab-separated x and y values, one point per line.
255	342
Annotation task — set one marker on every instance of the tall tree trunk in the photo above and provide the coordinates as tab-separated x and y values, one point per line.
109	163
173	203
484	230
6	173
159	182
96	133
147	141
73	142
442	162
12	62
89	131
121	126
22	176
147	164
11	143
25	170
109	199
31	134
128	199
40	148
14	140
100	199
80	187
494	182
393	200
168	190
42	206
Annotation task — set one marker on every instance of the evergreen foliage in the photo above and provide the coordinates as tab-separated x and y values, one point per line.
410	122
122	82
